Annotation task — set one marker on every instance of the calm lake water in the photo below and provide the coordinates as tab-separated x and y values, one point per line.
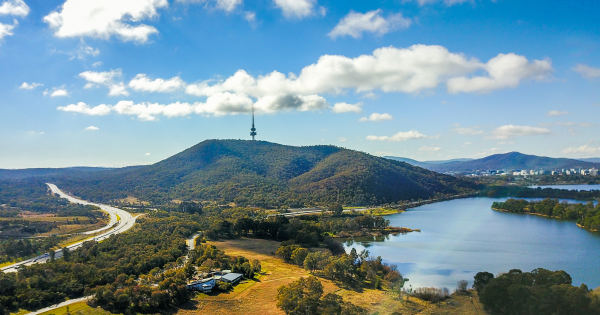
461	237
571	187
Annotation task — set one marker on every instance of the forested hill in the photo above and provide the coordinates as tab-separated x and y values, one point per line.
509	161
265	174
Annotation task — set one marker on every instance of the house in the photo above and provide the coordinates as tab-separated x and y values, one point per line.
232	278
203	285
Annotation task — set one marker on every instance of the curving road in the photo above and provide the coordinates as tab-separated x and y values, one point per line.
115	226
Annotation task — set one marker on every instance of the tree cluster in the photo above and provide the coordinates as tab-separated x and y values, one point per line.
526	192
305	296
539	292
587	215
156	242
11	249
207	257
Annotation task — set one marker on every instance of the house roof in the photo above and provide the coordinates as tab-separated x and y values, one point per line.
232	276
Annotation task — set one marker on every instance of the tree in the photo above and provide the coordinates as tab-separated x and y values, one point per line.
52	254
300	297
299	255
336	209
66	253
461	286
481	280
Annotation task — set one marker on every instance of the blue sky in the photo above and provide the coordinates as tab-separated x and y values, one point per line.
114	83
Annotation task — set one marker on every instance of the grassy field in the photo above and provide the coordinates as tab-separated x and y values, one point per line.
259	297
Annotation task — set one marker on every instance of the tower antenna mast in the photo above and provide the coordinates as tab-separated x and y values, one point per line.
253	130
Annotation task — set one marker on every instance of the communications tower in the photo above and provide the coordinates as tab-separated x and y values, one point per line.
253	130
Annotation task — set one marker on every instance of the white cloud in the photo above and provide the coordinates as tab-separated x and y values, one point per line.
29	86
400	136
382	153
389	69
504	71
354	24
35	133
587	71
7	29
57	92
377	117
14	7
106	78
342	139
584	149
467	131
510	131
83	108
346	108
557	113
250	17
84	50
147	154
225	5
97	64
142	83
105	18
92	128
430	149
295	8
447	2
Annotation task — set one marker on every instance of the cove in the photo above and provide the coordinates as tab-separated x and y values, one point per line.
461	237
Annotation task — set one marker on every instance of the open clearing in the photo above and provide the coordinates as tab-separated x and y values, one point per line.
260	296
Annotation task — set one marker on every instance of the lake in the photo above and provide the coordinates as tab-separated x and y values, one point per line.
570	187
461	237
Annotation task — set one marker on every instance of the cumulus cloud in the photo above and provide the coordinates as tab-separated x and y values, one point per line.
354	24
557	113
97	64
144	84
84	50
430	149
504	71
295	8
225	5
587	71
377	117
29	86
92	128
400	136
56	92
105	18
106	78
346	108
7	29
14	7
83	108
584	149
446	2
510	131
467	131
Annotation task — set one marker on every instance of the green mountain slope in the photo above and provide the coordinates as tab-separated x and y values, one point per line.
266	174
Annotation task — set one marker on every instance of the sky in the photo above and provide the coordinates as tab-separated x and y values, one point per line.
114	83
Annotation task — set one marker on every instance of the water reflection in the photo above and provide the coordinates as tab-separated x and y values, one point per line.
459	238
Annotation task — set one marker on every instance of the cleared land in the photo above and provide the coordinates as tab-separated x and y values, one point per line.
260	296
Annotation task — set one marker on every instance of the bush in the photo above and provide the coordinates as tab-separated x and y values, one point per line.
432	295
224	286
461	286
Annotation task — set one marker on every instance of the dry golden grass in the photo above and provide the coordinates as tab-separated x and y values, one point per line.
260	297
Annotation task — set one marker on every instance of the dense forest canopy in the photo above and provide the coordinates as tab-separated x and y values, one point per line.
264	174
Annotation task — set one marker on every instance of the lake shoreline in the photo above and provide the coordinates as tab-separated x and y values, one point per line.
546	216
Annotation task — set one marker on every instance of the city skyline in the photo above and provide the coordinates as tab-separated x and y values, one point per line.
427	80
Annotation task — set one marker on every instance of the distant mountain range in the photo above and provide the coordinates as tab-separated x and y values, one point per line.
506	161
256	173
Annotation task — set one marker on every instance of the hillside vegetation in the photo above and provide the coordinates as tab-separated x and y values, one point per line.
264	174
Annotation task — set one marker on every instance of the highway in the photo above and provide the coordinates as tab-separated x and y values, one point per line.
115	226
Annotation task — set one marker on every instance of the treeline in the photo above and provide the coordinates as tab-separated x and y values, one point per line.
208	257
305	296
353	269
587	215
304	230
539	292
526	192
11	249
155	243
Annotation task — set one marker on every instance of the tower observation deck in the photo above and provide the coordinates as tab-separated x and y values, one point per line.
253	130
